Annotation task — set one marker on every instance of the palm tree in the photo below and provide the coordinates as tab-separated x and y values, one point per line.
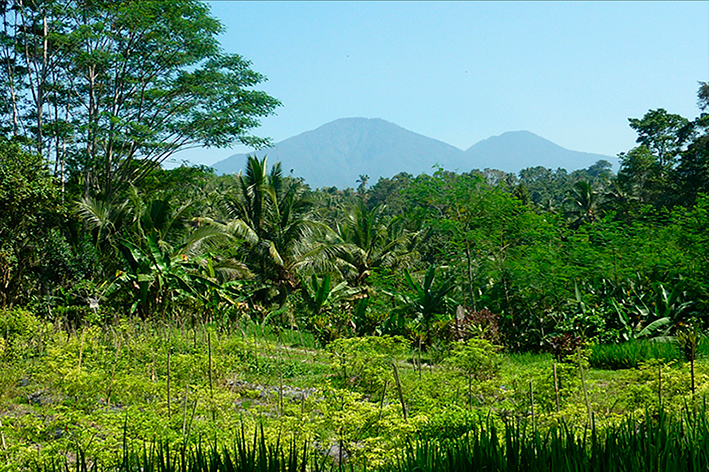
584	203
619	200
363	179
364	241
272	214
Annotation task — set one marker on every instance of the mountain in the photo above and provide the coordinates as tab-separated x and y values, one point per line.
517	150
337	153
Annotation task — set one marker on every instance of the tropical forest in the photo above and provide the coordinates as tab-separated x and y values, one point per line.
180	320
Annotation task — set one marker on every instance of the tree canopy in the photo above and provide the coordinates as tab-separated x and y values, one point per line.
109	89
95	94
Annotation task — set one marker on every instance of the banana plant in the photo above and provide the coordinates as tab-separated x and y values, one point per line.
321	295
155	272
655	317
637	330
428	300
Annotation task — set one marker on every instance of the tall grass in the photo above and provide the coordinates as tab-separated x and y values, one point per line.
242	456
630	354
662	443
659	443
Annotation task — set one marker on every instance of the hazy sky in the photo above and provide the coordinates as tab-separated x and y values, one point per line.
464	71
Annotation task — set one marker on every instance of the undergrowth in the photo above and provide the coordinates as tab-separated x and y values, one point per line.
68	394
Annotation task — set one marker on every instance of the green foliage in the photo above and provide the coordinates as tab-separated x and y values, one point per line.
641	443
365	361
451	424
477	358
668	442
23	334
322	296
244	454
29	206
584	204
429	302
631	354
688	342
662	133
656	385
87	111
272	215
654	312
368	240
69	388
331	325
156	275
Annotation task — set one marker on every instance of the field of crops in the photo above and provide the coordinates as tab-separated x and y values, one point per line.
160	396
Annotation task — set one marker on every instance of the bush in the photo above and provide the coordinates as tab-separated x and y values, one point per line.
365	361
477	358
22	334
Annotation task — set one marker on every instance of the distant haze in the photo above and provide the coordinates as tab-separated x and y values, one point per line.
460	72
338	153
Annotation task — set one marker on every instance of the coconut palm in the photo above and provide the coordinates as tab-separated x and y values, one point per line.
364	241
362	181
105	221
273	216
584	203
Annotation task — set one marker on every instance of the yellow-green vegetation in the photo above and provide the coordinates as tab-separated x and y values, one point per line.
69	391
145	307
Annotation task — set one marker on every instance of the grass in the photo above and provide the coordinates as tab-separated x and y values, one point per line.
241	456
661	442
631	354
664	442
65	391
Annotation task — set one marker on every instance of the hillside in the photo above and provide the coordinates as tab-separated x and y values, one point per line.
337	153
517	150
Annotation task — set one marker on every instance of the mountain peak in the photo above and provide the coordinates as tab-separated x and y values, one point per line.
512	138
338	152
515	150
355	120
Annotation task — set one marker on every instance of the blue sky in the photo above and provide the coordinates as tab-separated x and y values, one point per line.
571	72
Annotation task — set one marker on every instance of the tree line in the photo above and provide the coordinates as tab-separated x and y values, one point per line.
98	93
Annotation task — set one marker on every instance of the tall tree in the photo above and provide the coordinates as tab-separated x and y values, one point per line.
648	171
28	205
272	214
109	89
664	134
547	188
692	175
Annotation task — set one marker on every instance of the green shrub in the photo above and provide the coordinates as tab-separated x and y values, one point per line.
450	424
22	334
365	361
477	358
